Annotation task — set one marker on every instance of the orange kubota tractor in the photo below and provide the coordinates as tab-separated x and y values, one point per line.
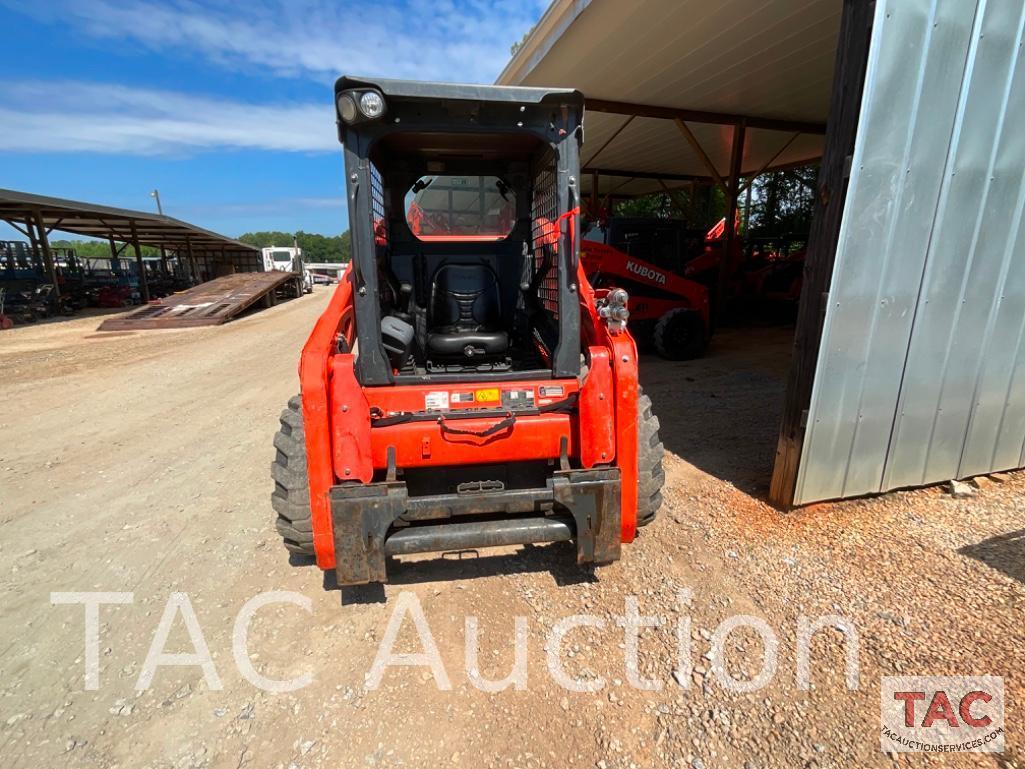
466	386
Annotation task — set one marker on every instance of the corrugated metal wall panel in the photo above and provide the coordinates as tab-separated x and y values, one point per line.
907	115
920	373
969	257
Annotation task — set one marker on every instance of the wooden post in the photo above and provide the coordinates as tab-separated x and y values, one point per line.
594	197
139	266
33	243
115	262
44	243
842	129
747	209
730	233
192	261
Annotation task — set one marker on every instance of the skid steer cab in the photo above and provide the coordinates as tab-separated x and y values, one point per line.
466	387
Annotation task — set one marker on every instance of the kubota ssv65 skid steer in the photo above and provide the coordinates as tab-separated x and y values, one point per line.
466	387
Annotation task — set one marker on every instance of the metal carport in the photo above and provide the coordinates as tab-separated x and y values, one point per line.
36	216
909	365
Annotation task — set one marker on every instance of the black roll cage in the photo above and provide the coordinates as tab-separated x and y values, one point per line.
555	116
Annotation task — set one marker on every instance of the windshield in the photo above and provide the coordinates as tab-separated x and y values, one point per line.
460	207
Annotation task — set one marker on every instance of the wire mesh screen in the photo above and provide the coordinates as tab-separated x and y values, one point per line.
377	218
544	211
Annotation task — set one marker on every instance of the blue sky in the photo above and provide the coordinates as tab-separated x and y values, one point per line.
224	107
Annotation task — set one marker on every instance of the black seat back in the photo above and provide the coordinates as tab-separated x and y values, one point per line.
466	296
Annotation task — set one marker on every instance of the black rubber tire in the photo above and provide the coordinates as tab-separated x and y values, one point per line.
650	474
291	496
680	334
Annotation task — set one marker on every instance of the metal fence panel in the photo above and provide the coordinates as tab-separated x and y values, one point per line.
919	375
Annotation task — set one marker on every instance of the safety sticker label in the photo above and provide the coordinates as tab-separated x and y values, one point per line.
518	399
488	396
436	400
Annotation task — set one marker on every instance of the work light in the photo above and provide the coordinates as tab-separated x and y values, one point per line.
347	107
371	104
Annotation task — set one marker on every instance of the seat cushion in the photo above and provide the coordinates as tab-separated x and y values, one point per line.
451	340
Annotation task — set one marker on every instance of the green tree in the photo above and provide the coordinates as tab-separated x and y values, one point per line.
698	206
100	249
316	247
782	202
266	239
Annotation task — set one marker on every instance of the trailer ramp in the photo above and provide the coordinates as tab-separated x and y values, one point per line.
208	304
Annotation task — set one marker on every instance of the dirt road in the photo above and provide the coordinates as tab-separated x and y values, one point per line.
139	463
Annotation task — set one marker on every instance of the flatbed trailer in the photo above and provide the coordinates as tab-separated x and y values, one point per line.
208	304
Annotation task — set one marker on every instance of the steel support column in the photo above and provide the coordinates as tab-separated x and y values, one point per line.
44	243
140	267
115	257
192	261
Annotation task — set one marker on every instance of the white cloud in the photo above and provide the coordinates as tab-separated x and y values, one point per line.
464	41
89	117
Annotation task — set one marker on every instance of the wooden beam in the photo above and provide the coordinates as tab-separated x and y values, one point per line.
619	186
608	195
699	116
845	103
609	141
654	175
19	229
192	260
730	234
140	267
769	162
44	242
114	256
594	204
695	145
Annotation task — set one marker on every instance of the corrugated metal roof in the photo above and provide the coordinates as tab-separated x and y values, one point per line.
99	221
763	60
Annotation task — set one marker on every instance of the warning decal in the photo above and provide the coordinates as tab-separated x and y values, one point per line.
436	401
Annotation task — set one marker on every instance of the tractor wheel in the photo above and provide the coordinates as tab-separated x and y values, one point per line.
650	474
680	335
291	496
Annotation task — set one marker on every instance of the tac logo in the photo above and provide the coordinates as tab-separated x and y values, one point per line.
645	272
942	714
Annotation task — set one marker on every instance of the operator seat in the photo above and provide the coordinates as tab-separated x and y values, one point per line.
465	314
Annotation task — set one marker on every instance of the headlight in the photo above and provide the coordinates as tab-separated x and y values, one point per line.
347	108
371	104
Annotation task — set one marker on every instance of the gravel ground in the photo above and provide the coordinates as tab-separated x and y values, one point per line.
139	463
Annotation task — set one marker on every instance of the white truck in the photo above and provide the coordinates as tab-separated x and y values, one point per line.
288	259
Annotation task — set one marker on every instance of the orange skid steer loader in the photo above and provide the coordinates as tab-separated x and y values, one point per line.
466	387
